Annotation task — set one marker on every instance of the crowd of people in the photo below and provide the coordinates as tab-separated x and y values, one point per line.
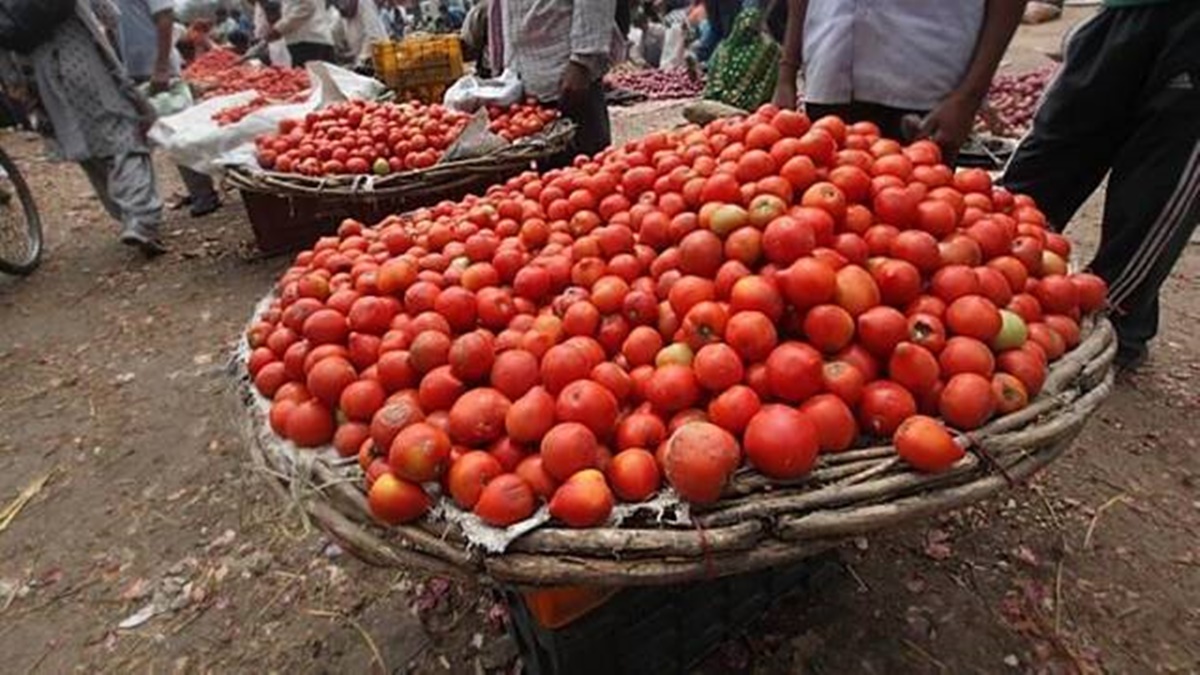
1124	105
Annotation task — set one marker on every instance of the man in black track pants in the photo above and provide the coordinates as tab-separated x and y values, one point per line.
1127	100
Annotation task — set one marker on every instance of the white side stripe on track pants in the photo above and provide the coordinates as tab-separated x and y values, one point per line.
1170	219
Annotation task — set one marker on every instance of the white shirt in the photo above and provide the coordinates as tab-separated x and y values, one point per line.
304	21
364	29
138	37
901	53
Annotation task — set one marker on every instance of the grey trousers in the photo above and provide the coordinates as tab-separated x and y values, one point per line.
125	185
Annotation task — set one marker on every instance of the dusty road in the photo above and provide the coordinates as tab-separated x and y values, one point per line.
117	404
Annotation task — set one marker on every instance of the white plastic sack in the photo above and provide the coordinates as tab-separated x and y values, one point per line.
471	93
635	46
278	52
175	99
193	139
674	53
652	44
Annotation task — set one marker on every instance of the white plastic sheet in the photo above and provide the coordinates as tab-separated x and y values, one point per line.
193	139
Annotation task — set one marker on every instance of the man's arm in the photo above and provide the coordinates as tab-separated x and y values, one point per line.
591	40
164	28
791	54
950	122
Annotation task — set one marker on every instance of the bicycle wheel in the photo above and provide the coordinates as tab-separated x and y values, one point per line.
20	226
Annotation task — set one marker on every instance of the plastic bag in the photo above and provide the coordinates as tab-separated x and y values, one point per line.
471	93
176	99
475	140
278	52
653	38
193	139
745	66
674	51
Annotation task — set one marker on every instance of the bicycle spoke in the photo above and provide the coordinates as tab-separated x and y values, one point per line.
15	244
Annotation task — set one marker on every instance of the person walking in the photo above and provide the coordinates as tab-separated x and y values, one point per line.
363	27
1126	104
146	29
305	26
884	61
98	119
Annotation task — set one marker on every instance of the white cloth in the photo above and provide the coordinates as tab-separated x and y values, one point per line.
542	36
139	37
304	21
363	30
901	53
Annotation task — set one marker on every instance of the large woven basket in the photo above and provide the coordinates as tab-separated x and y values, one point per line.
758	524
439	181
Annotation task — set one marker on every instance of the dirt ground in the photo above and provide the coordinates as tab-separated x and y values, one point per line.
145	543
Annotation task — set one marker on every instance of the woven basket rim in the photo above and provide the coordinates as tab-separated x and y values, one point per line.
552	140
758	523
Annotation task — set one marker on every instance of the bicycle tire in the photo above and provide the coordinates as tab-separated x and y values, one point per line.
33	223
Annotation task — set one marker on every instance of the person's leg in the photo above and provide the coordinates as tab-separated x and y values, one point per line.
1153	202
97	170
132	188
201	191
303	52
593	130
1085	114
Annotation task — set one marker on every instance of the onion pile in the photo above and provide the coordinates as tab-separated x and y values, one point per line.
656	84
1015	98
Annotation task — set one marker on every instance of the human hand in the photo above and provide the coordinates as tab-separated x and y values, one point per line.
574	85
785	95
160	81
950	123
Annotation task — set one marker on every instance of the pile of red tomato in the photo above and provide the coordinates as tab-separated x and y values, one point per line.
235	114
358	137
211	65
754	292
520	119
220	73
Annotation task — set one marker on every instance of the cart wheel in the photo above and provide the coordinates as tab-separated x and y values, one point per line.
660	630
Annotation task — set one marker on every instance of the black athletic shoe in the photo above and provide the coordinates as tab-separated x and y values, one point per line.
1131	357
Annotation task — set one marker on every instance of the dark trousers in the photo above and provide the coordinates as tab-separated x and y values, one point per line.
1126	103
593	131
303	52
889	120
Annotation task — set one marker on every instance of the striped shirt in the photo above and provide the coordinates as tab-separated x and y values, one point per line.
542	36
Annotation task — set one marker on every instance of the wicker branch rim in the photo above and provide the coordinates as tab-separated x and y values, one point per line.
760	523
505	161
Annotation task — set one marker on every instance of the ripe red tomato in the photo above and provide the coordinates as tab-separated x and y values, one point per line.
781	442
884	407
925	444
967	401
836	426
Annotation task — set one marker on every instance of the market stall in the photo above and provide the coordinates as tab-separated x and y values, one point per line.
310	148
713	350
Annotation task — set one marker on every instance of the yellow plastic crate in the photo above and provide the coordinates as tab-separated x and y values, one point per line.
420	66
